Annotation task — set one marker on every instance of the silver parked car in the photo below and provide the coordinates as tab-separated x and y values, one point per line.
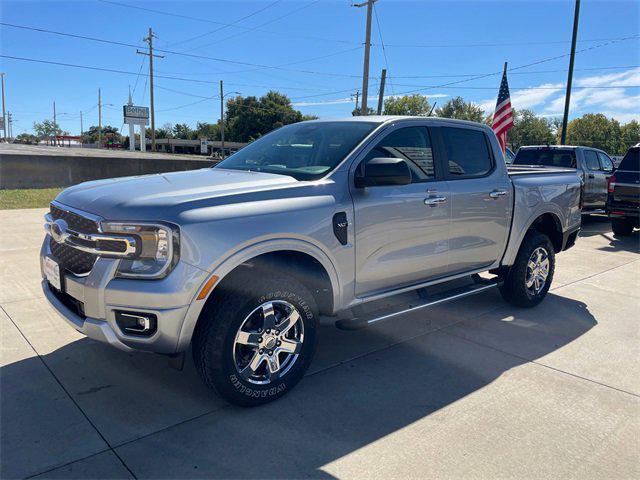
315	218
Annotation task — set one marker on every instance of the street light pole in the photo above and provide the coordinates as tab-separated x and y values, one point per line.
4	115
99	120
567	100
221	120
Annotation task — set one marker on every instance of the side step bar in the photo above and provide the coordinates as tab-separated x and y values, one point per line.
427	301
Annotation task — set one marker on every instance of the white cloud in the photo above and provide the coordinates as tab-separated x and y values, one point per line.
613	97
526	98
623	79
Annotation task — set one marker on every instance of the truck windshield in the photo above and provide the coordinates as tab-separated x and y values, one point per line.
548	157
631	160
305	151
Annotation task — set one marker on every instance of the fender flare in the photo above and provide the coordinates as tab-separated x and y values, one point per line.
228	263
514	246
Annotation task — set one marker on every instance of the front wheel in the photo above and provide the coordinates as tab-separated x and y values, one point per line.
529	278
256	340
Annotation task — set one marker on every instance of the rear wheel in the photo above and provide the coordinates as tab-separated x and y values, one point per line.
528	280
257	338
622	226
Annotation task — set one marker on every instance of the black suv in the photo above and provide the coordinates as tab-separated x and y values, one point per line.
623	200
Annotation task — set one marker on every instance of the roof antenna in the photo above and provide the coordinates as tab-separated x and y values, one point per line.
432	108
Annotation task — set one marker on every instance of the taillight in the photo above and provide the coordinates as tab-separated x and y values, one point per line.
611	184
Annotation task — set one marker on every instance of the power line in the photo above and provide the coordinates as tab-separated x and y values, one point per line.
225	26
537	62
257	27
206	20
189	55
281	67
384	50
501	44
520	73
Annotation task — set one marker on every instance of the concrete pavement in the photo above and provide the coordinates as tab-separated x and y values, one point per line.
475	388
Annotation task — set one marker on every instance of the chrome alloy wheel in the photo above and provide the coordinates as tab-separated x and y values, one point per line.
537	270
268	342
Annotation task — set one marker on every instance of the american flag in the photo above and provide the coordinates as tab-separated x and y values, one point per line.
503	116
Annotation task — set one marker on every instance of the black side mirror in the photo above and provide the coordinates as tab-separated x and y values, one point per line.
382	171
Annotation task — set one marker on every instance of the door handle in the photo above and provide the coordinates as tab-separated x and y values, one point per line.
498	193
591	175
435	201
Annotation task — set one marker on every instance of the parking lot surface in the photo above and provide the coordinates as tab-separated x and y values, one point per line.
472	389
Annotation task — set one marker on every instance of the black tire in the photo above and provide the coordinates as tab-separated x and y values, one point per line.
214	337
514	289
622	227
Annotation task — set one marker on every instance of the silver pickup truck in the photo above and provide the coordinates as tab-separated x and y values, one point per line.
315	218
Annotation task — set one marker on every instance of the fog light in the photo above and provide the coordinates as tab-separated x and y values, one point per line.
136	323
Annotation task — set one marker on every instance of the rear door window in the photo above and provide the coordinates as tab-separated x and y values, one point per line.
591	160
467	152
605	162
548	157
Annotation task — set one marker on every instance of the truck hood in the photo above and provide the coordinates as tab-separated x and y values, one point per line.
166	195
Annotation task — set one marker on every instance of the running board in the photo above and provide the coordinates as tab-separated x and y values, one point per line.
428	301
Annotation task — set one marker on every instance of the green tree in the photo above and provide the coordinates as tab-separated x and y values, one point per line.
598	131
356	112
248	118
182	130
210	131
415	104
47	129
529	129
109	134
458	108
630	134
27	139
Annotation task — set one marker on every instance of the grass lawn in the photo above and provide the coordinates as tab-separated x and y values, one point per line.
27	198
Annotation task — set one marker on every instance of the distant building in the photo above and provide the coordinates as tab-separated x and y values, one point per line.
194	147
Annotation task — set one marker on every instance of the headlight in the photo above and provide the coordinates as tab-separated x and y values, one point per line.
157	250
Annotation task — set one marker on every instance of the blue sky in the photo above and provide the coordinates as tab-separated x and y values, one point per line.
317	49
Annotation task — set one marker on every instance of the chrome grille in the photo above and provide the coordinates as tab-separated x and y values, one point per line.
75	221
71	259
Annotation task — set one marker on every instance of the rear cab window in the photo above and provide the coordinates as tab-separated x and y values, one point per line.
547	157
467	152
631	161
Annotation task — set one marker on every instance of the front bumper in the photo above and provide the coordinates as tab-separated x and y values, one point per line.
100	294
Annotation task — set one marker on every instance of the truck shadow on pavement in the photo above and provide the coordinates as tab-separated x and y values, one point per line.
600	225
362	386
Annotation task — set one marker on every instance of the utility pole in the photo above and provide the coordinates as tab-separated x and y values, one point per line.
4	116
567	100
383	77
367	48
55	122
357	95
99	120
81	129
149	40
221	120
